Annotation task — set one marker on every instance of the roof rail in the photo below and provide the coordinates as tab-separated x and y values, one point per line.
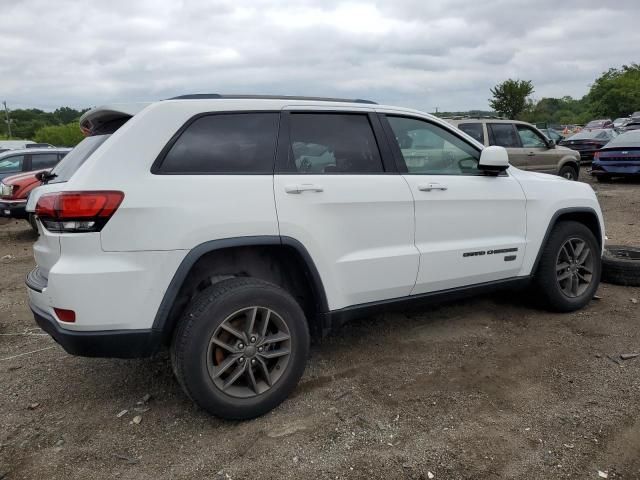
210	96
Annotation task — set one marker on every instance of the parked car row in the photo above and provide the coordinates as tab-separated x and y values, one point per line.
528	147
19	172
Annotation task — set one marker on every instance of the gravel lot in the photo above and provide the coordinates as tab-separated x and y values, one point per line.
485	388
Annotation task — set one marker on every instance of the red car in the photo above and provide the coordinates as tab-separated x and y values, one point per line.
15	189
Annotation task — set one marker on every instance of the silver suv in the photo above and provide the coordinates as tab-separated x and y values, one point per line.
528	148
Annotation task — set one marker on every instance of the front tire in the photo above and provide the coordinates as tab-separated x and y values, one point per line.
240	348
569	173
569	271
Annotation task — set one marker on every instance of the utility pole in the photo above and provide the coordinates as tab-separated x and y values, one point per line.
6	113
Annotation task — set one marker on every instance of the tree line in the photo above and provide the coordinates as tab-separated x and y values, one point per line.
616	93
59	127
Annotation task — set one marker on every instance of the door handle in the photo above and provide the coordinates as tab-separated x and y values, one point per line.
531	154
304	187
431	186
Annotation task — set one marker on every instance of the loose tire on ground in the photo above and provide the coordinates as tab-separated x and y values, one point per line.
221	334
621	265
568	172
557	267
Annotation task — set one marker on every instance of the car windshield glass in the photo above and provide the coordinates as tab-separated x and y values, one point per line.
76	157
629	139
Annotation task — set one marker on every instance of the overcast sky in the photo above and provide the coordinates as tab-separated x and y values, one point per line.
417	53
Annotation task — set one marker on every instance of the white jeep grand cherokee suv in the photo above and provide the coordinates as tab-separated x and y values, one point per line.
229	228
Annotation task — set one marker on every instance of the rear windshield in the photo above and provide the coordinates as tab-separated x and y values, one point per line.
76	157
593	134
629	139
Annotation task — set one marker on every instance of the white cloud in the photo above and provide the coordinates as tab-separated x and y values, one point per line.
408	52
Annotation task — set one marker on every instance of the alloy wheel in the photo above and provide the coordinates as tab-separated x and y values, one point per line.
249	352
574	267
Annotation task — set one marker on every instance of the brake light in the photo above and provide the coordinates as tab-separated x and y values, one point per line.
77	211
596	156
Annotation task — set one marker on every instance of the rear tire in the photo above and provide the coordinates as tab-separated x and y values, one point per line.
227	360
569	172
565	280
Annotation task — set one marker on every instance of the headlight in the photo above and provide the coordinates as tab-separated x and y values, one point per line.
6	190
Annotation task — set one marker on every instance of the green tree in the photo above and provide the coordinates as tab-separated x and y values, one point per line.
510	98
616	93
68	135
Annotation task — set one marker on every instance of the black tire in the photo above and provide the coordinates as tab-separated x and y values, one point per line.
547	276
621	265
603	178
204	316
569	172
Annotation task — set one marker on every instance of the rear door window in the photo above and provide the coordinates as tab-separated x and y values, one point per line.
242	143
41	161
332	143
474	130
11	164
503	135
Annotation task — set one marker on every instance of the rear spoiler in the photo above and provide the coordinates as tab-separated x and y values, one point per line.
108	118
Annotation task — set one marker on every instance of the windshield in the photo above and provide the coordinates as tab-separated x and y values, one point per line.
76	157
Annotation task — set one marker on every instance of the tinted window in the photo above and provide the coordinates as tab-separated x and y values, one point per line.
225	143
503	135
530	138
11	164
76	157
43	160
474	130
332	143
429	149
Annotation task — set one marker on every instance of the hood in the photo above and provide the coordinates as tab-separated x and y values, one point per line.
19	177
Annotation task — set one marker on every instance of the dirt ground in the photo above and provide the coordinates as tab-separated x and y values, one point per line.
490	387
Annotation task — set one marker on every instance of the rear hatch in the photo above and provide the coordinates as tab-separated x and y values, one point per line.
98	125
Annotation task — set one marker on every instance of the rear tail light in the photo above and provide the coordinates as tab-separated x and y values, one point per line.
596	156
73	212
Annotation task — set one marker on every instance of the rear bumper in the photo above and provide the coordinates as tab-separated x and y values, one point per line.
627	169
13	209
108	343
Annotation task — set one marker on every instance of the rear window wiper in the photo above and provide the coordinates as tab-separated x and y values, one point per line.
44	177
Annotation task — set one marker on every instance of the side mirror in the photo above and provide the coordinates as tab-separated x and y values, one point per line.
551	143
494	159
39	176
